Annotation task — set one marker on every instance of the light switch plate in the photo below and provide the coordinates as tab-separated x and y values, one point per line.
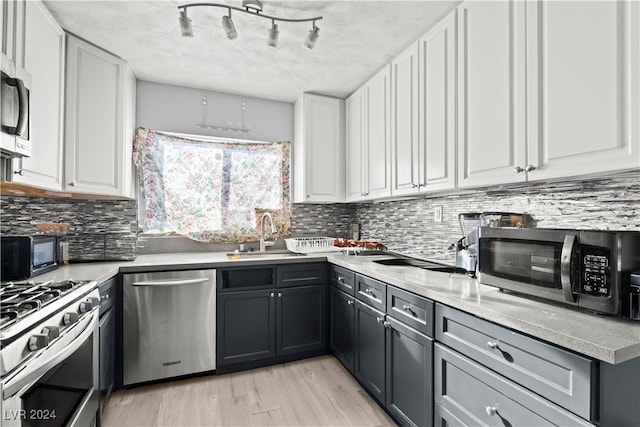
437	214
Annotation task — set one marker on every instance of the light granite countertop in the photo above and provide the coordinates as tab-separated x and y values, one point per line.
606	338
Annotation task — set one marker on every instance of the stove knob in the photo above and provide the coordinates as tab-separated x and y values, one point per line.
51	331
86	306
70	318
38	341
95	301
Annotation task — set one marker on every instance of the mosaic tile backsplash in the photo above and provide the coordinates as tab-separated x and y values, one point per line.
100	229
97	229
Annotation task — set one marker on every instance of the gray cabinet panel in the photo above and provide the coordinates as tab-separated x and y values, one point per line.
342	279
370	354
411	309
246	326
107	355
479	397
289	275
562	377
301	319
341	326
409	375
372	292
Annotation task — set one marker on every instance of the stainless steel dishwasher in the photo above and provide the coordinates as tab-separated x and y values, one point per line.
169	324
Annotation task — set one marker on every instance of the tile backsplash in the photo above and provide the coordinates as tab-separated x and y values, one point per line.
97	229
106	229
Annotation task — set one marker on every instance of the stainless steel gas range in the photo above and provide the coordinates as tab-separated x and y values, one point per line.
49	353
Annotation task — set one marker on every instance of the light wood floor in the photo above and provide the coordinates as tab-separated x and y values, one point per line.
311	392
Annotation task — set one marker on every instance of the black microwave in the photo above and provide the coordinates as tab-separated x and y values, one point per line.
585	268
24	257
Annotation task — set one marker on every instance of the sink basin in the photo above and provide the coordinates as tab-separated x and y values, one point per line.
425	265
268	254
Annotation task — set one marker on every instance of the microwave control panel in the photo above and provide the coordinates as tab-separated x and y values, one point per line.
596	271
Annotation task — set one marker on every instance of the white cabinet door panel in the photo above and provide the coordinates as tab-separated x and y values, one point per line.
355	116
583	87
377	156
491	92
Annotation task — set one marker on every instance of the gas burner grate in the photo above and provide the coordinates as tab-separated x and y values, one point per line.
7	318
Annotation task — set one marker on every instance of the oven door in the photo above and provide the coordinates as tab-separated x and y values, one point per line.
536	262
58	386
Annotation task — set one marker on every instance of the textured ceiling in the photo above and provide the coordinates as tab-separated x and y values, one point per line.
356	39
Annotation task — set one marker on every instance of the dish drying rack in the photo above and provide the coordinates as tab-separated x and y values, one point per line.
308	245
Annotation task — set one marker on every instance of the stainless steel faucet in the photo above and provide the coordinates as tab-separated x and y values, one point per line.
263	244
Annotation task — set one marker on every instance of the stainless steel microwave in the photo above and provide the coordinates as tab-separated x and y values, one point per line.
588	269
15	116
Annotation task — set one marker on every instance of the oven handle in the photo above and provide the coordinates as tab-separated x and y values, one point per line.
41	365
565	267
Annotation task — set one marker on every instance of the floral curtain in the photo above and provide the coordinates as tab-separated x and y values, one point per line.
211	191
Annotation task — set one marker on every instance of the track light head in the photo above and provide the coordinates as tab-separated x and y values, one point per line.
185	24
273	35
228	26
312	37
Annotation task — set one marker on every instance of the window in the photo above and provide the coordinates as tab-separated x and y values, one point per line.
211	191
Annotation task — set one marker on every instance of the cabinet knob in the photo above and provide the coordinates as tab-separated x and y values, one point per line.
279	294
18	172
530	168
271	295
414	185
340	279
380	319
385	324
72	184
350	302
491	410
492	345
518	169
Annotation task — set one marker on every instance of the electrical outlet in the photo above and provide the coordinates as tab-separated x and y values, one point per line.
437	214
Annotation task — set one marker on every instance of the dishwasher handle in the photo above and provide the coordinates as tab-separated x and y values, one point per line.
171	282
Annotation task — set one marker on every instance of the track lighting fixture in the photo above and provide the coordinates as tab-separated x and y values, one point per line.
273	35
252	7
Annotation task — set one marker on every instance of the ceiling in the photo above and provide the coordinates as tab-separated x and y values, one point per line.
357	38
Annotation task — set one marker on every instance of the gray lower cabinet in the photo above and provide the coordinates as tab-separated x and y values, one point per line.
468	394
268	312
370	364
341	326
107	333
409	374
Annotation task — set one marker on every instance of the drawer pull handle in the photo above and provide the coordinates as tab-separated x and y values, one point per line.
492	411
492	345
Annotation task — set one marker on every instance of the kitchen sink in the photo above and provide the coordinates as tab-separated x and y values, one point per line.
425	265
267	254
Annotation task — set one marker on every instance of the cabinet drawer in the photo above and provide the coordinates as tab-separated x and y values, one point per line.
554	373
342	279
467	393
107	295
411	309
371	292
301	274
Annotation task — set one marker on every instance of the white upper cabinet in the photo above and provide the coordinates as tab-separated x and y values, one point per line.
491	92
404	122
355	122
44	60
369	140
377	150
99	121
584	87
437	107
319	149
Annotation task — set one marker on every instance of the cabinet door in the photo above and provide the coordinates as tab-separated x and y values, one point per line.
355	113
409	374
437	106
377	154
404	122
584	87
13	32
95	160
301	319
44	59
341	326
491	103
107	356
370	354
246	326
319	149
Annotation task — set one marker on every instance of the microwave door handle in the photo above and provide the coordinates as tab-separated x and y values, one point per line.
565	267
29	375
23	106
